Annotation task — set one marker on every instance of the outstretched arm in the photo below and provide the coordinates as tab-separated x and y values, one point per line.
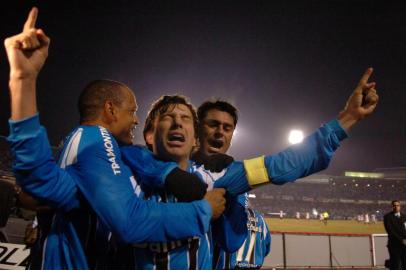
312	155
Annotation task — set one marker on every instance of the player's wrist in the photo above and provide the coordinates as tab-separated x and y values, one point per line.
18	76
348	119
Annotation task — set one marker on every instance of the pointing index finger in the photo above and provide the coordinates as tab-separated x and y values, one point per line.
31	20
365	76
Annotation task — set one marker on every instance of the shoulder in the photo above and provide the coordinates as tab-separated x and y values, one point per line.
388	215
91	141
97	137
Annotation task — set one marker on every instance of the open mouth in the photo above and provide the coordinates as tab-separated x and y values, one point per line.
176	137
216	143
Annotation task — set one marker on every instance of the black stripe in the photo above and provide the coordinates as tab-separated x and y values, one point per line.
161	260
90	245
193	247
227	263
254	224
216	257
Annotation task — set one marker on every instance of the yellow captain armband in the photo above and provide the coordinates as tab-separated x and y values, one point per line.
256	171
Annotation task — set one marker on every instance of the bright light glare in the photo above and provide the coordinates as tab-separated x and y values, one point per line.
236	133
295	136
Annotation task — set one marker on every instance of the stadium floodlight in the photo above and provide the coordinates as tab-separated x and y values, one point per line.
295	136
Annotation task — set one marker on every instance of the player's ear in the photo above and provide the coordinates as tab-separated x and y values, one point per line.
149	137
109	110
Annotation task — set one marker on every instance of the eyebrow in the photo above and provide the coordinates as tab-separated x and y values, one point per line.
219	122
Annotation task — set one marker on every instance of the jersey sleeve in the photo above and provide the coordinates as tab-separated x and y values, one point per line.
109	187
147	168
34	167
230	230
311	156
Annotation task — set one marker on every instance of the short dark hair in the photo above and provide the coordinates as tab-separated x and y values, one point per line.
95	94
162	105
395	201
217	104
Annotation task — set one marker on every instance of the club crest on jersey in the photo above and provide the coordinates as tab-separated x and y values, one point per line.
108	146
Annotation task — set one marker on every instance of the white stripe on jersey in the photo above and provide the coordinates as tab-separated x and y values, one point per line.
136	187
71	152
253	238
240	252
264	229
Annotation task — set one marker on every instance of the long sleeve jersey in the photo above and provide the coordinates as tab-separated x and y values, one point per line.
312	155
94	193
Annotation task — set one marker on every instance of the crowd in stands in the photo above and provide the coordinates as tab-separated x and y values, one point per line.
342	197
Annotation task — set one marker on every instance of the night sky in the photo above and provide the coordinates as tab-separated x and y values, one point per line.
284	64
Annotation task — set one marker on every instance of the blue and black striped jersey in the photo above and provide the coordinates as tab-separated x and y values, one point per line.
252	252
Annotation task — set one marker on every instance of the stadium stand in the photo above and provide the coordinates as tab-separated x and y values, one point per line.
343	197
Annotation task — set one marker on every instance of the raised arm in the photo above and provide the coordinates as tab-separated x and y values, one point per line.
109	192
312	155
26	54
361	103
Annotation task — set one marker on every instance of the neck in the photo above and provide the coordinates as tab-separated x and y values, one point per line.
202	151
183	164
182	161
96	122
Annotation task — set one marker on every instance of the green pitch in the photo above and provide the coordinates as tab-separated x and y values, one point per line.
316	226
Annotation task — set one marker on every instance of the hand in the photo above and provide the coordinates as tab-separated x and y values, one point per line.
31	234
28	50
217	201
361	103
213	163
186	187
404	242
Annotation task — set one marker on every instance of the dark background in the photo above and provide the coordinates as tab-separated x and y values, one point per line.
284	64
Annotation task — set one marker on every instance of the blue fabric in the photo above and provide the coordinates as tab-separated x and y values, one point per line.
245	258
146	166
